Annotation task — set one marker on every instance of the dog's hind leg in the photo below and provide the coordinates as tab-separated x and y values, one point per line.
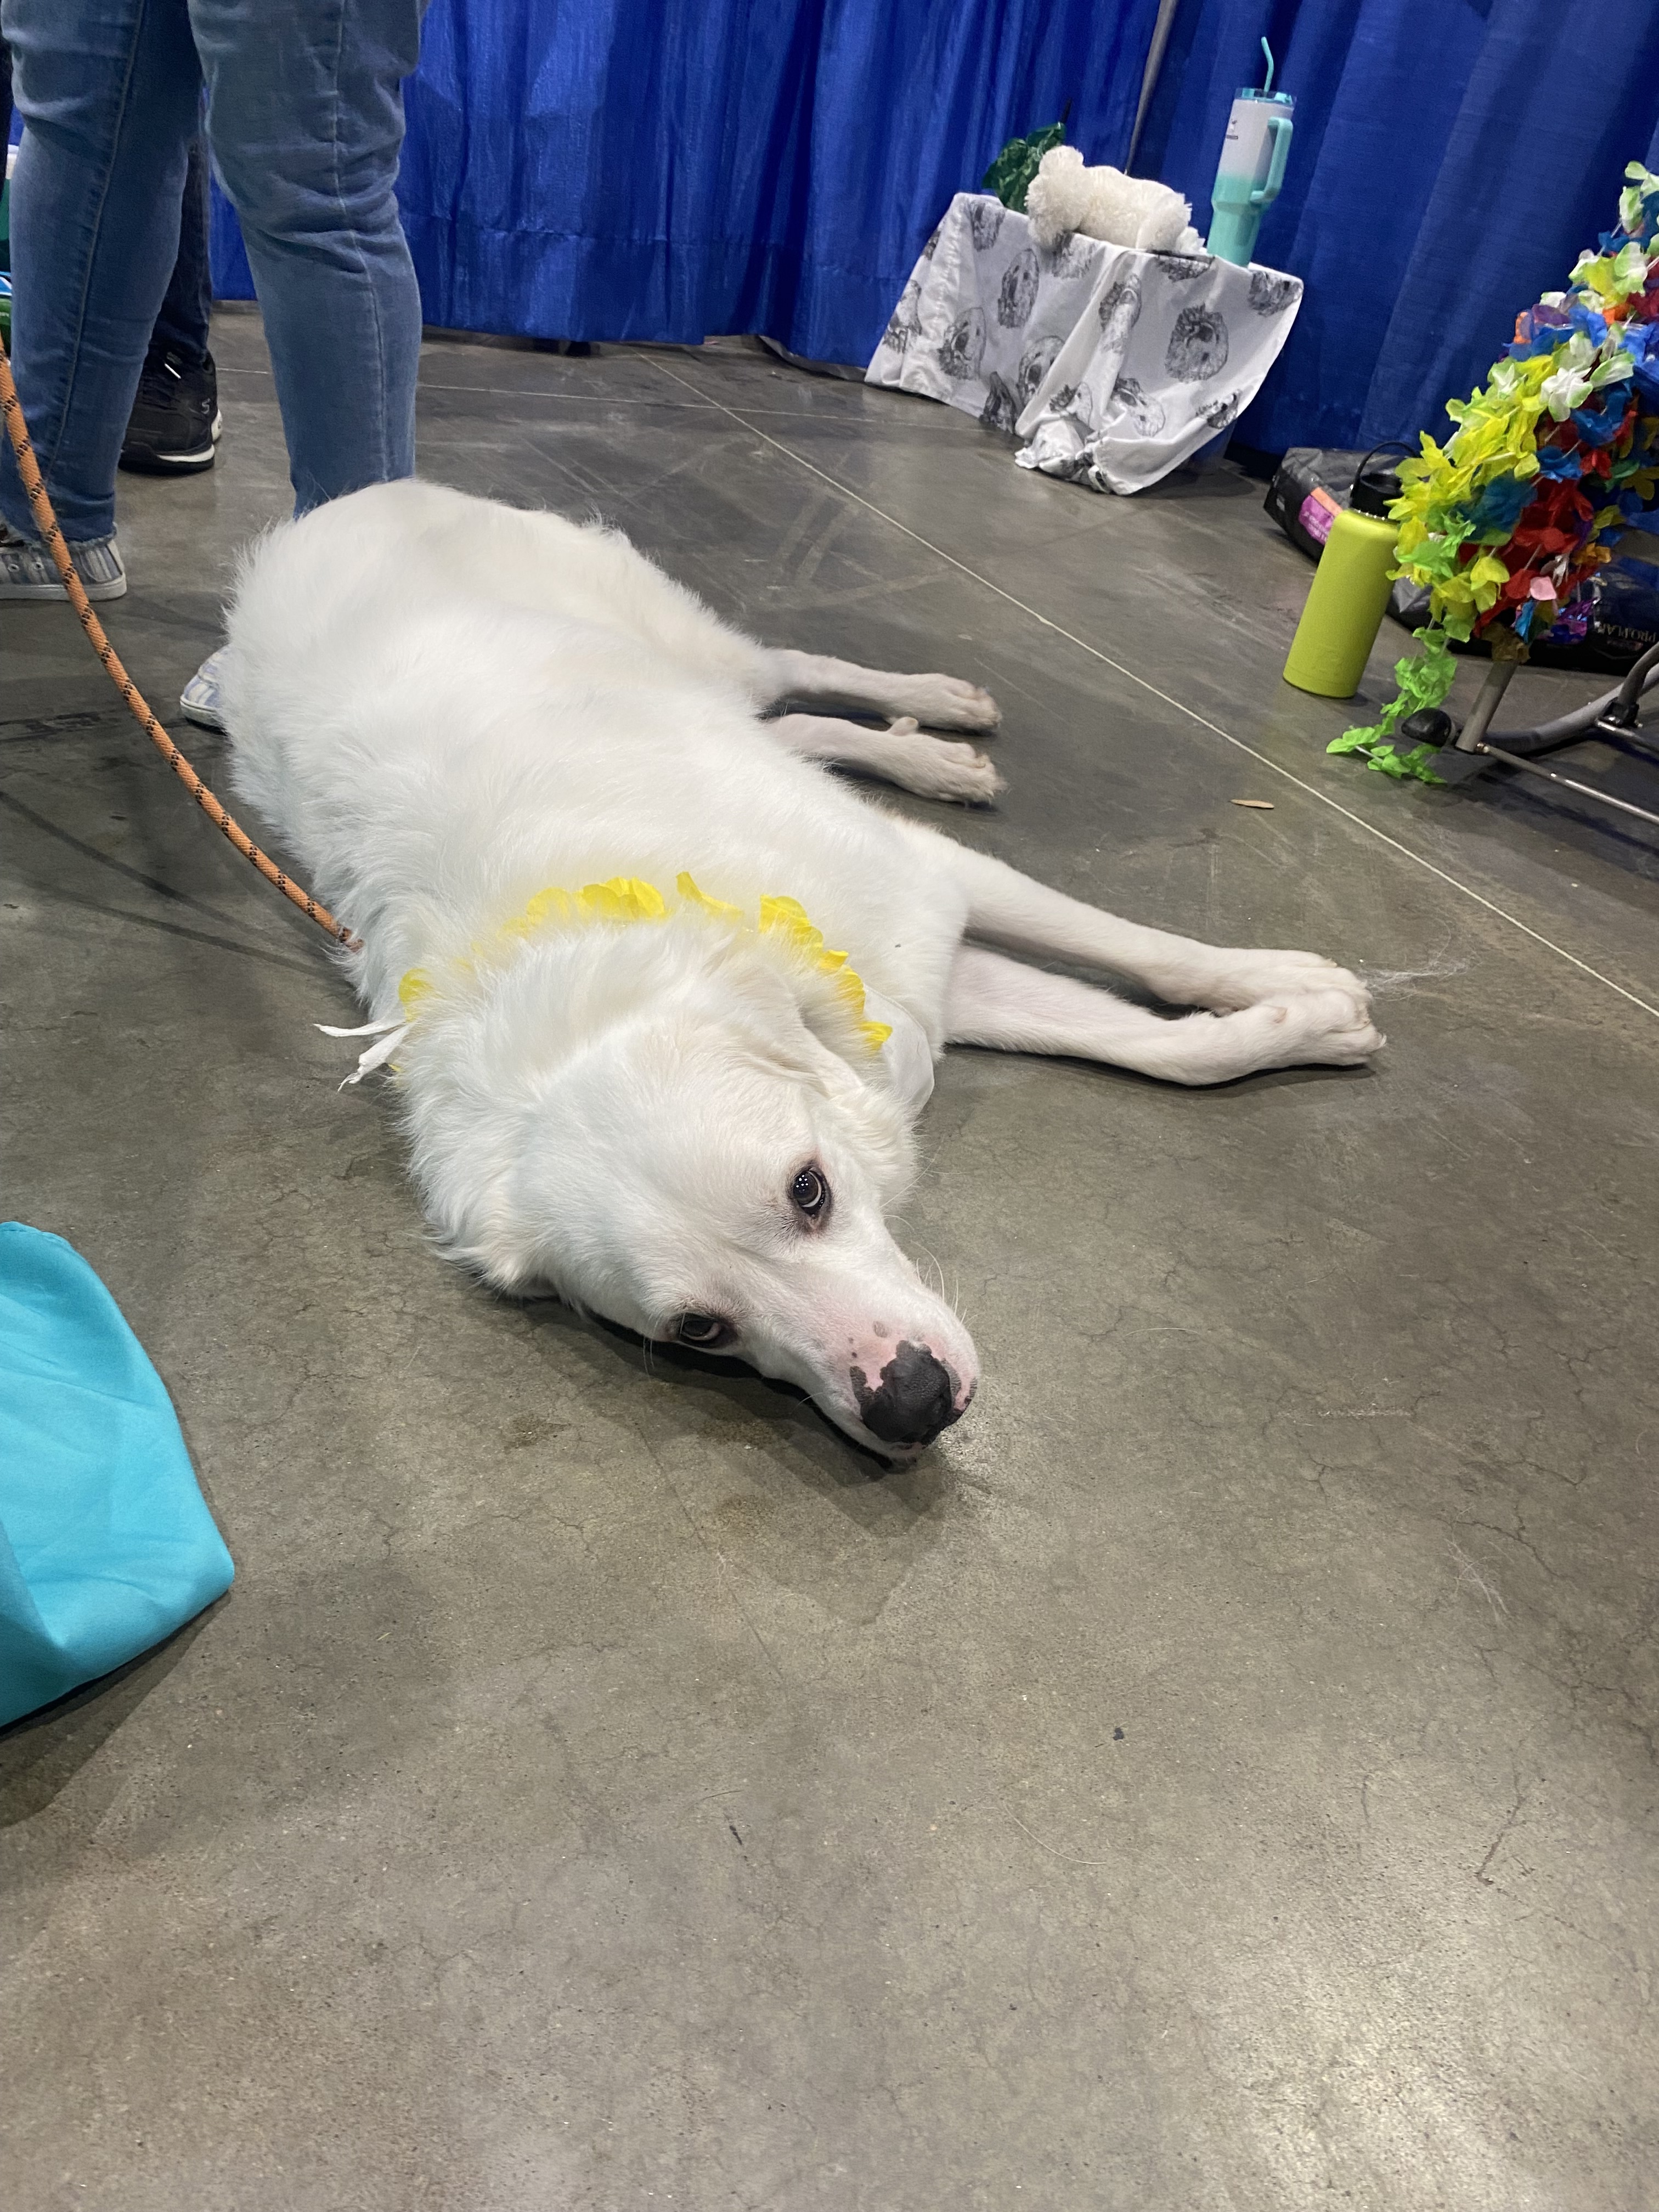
932	767
1004	908
940	703
995	1001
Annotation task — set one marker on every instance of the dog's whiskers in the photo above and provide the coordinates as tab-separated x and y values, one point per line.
952	1298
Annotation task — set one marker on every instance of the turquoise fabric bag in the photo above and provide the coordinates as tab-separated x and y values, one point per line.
106	1544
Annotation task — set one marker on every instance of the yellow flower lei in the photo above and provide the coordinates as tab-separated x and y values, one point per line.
628	899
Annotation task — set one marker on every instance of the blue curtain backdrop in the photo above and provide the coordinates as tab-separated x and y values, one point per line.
662	169
1449	163
673	168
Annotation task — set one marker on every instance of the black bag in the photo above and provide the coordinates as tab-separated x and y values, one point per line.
1311	486
1606	628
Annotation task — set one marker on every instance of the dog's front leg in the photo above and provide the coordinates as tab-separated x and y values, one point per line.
1006	908
996	1002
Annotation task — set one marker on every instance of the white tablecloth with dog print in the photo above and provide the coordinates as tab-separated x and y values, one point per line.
1113	366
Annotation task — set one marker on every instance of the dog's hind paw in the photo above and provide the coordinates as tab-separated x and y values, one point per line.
934	768
968	775
946	703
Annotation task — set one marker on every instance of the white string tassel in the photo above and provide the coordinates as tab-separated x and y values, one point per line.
391	1034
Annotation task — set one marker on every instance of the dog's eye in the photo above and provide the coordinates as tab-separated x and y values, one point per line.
703	1332
810	1192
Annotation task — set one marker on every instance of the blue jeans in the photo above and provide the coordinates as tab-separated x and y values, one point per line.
182	326
305	119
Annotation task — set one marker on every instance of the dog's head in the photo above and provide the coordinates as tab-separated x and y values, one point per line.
651	1122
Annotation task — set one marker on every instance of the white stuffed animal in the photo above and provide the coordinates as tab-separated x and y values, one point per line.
1064	196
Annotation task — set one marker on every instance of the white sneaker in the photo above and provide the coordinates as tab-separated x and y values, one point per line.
27	571
198	701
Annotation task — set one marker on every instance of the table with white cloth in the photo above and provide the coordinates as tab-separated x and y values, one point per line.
1112	366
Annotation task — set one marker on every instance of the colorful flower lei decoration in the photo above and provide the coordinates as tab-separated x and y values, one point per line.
1560	445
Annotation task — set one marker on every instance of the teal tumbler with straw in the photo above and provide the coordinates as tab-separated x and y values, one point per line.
1253	157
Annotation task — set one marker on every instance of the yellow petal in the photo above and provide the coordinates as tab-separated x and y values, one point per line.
721	910
623	898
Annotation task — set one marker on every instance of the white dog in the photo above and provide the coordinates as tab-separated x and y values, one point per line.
1064	196
603	907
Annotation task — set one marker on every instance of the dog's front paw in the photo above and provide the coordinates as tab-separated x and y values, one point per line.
946	703
1247	978
1327	1028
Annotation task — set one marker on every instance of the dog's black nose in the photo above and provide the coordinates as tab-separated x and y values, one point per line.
914	1398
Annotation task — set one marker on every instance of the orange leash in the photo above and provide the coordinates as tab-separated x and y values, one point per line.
29	469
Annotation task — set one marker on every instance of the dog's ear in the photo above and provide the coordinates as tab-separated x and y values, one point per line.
868	1115
829	1073
785	1044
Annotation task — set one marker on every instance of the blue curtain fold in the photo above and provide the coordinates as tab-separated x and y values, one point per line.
1449	164
658	169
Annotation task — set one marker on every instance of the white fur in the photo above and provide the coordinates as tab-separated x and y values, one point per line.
445	707
1064	196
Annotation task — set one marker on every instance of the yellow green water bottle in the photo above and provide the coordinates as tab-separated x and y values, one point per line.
1349	595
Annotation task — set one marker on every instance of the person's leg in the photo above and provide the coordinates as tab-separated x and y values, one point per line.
305	121
175	418
181	328
108	90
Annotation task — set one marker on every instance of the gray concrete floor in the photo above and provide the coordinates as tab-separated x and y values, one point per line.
1220	1778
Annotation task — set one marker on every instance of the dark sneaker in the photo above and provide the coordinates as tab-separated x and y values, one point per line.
175	418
